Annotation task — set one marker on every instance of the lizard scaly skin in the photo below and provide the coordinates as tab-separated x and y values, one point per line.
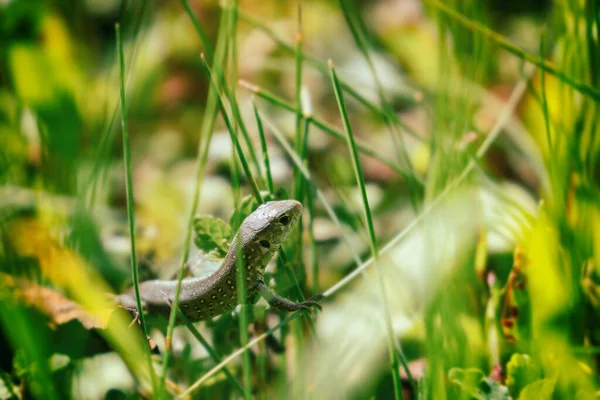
259	237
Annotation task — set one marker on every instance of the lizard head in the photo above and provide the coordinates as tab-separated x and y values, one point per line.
263	231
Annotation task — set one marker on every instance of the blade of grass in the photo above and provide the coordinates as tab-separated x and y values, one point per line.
203	147
211	351
307	176
208	50
241	281
314	258
298	92
232	30
236	354
581	87
322	68
369	220
220	77
234	139
297	182
108	132
545	104
302	151
243	320
231	90
325	127
130	212
308	195
352	18
265	153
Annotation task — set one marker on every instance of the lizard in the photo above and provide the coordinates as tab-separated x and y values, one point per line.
259	237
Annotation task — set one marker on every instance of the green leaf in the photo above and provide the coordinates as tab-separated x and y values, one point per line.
539	390
473	382
466	379
206	264
520	372
8	390
211	233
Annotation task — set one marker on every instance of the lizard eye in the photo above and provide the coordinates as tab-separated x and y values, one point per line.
265	244
284	220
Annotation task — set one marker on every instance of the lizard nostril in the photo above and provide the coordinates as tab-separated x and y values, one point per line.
284	220
265	244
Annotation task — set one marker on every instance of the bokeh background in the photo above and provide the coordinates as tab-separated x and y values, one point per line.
446	154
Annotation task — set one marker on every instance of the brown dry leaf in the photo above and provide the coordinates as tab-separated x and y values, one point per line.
52	303
69	271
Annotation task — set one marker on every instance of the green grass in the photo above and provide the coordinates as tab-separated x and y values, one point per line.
360	181
129	190
507	276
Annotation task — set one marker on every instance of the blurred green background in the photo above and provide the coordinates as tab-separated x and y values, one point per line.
472	181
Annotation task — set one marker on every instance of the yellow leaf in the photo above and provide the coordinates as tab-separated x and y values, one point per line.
31	74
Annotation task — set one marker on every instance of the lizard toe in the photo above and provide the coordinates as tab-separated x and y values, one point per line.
306	305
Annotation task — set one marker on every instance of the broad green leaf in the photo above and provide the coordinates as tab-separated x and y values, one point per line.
466	379
521	371
8	390
211	233
206	264
474	383
539	390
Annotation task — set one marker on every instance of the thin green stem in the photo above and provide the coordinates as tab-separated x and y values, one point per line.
545	104
243	322
307	176
109	131
322	67
297	253
298	97
581	87
232	23
327	128
353	21
265	152
236	354
234	139
241	281
369	220
235	109
240	264
312	240
203	37
203	146
211	352
230	20
404	362
130	204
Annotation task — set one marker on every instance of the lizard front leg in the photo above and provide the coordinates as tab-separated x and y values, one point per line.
283	304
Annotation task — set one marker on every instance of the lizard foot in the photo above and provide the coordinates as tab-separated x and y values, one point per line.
283	304
306	305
